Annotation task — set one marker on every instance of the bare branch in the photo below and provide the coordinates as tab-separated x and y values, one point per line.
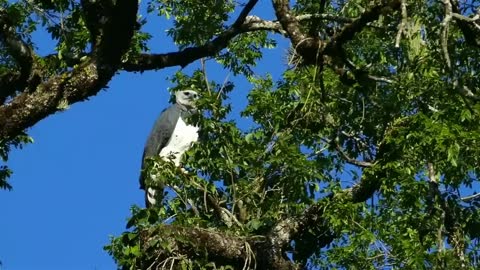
336	143
466	92
471	197
470	33
444	38
379	79
403	23
20	50
431	173
358	72
359	163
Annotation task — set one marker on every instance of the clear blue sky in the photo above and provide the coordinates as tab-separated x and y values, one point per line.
73	187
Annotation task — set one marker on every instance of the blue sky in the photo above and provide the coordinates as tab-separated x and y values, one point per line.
73	187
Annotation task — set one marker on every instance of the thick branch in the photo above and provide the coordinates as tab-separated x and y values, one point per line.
310	48
231	249
82	82
468	28
288	21
21	53
184	57
244	13
222	247
254	23
117	33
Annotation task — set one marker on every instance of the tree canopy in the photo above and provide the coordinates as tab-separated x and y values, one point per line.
364	154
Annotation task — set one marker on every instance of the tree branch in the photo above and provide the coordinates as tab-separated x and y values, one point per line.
184	57
289	23
471	197
444	36
311	47
254	23
336	143
359	163
403	23
348	32
224	248
82	82
470	32
21	53
310	231
244	13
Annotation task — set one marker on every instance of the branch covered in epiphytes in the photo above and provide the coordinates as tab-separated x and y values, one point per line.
82	82
270	249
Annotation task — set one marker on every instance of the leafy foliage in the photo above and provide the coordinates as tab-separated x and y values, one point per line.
5	147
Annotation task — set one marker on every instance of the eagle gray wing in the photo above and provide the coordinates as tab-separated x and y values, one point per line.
159	136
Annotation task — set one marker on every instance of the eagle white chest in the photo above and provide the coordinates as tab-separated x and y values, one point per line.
182	138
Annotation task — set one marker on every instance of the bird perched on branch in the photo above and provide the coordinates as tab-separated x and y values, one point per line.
170	137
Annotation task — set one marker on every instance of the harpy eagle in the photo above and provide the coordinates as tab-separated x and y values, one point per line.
170	137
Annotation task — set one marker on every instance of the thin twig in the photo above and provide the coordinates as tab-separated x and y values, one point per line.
431	173
359	163
470	198
223	85
204	71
